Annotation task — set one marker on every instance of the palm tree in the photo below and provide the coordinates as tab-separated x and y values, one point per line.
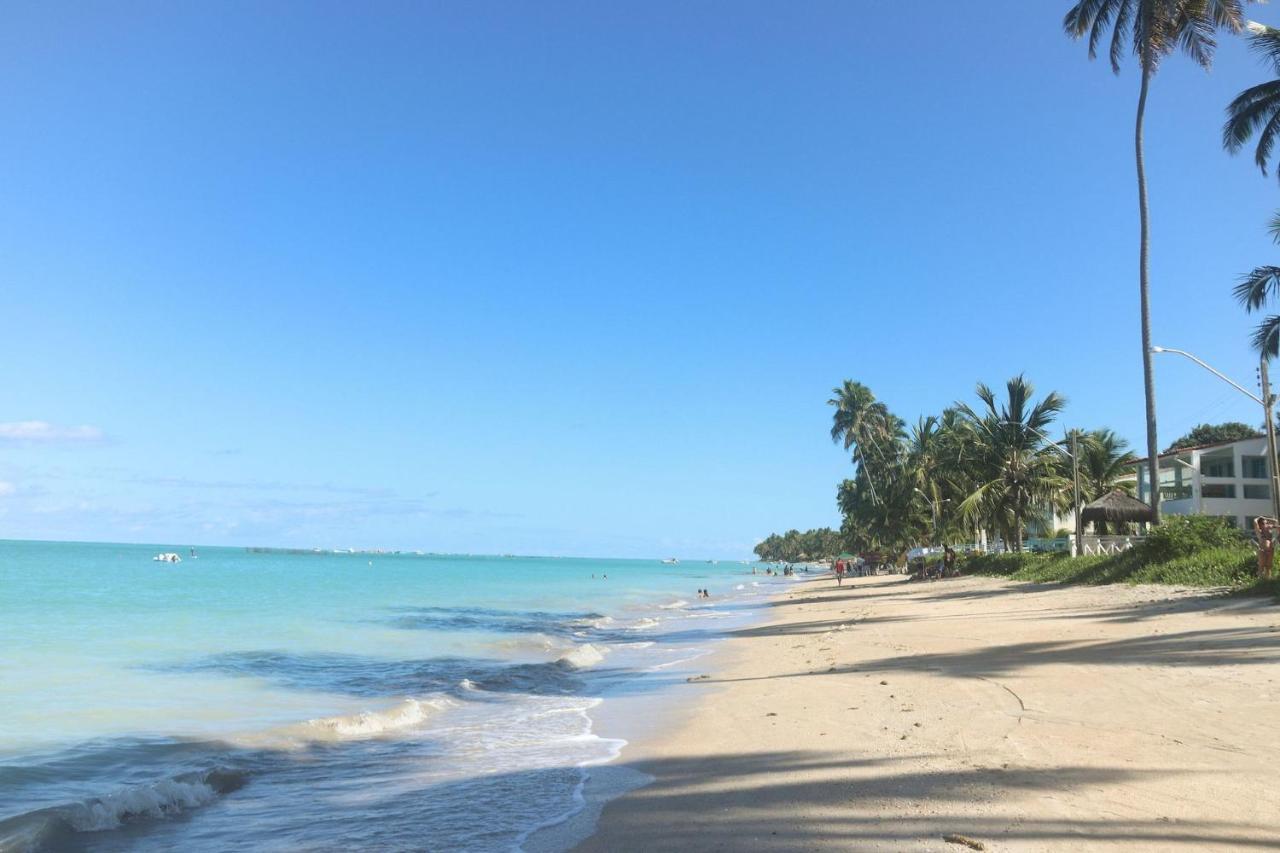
1153	29
1105	465
1016	471
1256	110
867	428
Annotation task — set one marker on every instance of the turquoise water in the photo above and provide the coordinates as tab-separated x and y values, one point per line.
324	701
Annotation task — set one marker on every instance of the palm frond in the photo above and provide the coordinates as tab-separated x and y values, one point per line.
1266	338
1256	287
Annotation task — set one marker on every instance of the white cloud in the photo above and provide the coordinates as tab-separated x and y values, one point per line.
7	488
45	432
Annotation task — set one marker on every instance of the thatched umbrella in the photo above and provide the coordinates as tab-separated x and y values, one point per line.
1116	506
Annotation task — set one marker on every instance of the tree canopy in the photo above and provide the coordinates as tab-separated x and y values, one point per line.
1212	434
794	546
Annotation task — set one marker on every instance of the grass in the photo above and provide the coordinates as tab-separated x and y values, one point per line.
1217	566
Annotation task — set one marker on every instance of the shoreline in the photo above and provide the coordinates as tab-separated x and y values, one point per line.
885	714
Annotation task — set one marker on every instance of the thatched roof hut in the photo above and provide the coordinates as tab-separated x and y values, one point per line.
1116	506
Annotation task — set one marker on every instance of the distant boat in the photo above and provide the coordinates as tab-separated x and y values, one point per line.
670	561
194	555
167	557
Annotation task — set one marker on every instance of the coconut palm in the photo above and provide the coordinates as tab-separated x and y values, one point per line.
1256	111
1105	465
1152	29
1016	472
866	427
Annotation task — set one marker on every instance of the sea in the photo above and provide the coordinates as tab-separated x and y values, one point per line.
313	701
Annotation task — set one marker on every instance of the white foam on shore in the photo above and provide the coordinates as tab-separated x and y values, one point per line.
674	605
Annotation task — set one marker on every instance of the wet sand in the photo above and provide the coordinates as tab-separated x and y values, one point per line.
887	715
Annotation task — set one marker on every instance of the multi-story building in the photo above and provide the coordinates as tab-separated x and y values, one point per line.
1228	479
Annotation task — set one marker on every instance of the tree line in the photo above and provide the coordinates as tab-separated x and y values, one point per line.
984	469
793	546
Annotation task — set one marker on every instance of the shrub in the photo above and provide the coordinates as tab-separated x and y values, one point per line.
1232	565
1183	535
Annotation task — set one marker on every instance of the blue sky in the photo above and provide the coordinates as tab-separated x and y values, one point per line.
572	278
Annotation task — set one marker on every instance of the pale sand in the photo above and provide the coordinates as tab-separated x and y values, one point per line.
887	714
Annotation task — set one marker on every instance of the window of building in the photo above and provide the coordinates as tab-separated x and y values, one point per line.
1218	490
1257	491
1175	493
1254	467
1223	467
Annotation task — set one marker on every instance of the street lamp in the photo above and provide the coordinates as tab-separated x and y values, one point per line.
1267	401
933	507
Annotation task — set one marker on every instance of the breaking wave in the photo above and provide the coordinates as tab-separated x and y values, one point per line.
48	828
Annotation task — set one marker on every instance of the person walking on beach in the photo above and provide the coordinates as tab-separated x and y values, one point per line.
839	572
948	562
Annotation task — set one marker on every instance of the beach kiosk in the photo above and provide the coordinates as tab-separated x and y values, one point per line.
1114	506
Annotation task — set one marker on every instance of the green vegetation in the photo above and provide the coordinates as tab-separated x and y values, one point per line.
1256	110
1184	550
1214	433
794	546
985	468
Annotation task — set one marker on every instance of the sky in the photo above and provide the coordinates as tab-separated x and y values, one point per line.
574	277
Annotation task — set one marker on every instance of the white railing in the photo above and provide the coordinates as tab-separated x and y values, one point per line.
1094	546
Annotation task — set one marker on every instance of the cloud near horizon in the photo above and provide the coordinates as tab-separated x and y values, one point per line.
44	432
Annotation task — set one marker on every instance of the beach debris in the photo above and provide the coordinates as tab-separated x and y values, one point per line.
963	840
884	682
698	678
771	714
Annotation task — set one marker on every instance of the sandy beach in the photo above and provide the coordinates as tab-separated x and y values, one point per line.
1007	716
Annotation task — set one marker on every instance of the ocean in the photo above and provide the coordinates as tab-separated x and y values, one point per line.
327	701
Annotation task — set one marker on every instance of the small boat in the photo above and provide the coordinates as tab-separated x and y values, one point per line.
670	561
167	557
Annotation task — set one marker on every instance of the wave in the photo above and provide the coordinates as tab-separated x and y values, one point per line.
494	620
49	828
674	605
357	675
407	714
585	655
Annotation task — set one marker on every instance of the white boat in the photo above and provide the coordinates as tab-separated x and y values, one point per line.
670	561
167	557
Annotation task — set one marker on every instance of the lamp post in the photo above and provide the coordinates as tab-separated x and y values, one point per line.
933	508
1267	401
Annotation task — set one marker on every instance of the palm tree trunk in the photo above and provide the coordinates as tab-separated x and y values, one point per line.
1148	377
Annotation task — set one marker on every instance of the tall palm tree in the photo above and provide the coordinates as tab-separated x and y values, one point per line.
1256	110
866	428
1152	29
1017	472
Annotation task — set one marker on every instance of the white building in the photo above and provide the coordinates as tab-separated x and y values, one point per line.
1228	479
